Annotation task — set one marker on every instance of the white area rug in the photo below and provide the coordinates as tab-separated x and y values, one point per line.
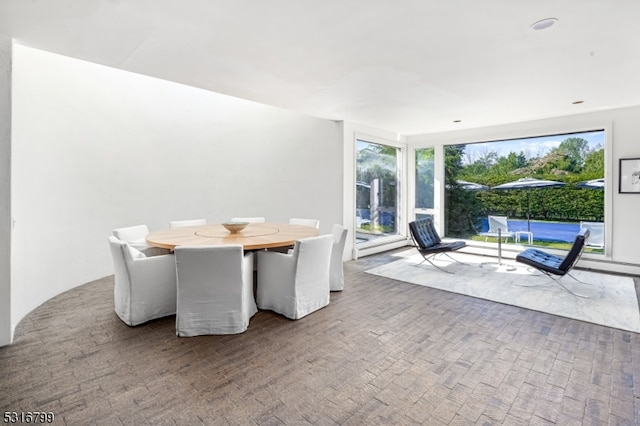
611	299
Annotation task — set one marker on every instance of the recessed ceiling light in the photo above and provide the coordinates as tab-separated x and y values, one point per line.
577	102
543	24
457	121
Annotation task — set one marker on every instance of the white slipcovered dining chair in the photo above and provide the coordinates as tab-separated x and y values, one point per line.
298	283
182	223
336	269
145	287
215	290
135	237
254	219
315	223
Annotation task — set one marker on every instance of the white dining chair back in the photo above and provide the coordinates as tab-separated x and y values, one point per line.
337	251
254	219
307	222
131	234
182	223
135	237
215	290
145	287
297	283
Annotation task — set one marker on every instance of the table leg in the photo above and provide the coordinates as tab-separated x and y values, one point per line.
499	263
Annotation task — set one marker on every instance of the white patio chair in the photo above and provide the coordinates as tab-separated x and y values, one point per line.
296	284
215	290
498	223
596	233
145	287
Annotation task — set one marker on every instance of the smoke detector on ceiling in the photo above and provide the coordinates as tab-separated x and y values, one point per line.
543	24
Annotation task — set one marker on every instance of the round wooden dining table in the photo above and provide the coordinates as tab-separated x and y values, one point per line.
254	237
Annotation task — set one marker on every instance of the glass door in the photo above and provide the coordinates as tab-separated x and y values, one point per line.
424	205
378	177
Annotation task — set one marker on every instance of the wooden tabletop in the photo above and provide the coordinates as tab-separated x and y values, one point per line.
254	236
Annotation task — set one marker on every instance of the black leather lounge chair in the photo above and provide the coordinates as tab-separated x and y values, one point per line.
428	242
554	266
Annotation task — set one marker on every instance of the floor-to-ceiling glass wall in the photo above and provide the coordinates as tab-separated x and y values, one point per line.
378	194
544	188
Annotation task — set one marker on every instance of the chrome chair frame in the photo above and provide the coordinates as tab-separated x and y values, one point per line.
428	242
556	267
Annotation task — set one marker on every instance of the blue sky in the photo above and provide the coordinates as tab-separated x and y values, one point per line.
532	147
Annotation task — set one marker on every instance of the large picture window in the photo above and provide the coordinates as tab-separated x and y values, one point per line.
547	188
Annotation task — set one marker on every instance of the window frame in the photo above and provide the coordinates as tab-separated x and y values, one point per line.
525	130
399	239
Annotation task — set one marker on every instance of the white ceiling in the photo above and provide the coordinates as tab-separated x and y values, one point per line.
410	66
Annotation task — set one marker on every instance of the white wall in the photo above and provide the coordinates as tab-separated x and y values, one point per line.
96	148
622	128
6	331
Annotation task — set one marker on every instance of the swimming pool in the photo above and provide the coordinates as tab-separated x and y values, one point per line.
544	231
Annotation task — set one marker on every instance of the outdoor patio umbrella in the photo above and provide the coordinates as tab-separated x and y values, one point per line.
591	184
472	186
526	184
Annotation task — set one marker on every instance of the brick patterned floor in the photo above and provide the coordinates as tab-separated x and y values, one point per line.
382	352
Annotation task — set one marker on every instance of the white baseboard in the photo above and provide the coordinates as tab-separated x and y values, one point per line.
367	251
